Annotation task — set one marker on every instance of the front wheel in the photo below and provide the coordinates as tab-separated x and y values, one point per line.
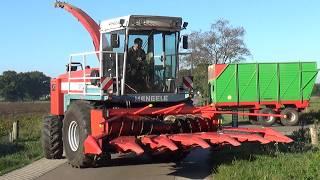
76	128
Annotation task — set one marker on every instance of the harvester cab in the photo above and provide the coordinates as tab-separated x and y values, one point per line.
131	101
141	55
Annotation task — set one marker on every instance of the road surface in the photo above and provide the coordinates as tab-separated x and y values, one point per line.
194	166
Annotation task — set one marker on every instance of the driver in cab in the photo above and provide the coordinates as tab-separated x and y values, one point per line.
137	65
136	53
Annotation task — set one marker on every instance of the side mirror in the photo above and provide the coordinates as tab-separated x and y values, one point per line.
115	43
185	42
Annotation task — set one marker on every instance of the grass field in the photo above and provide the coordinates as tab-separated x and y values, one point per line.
28	148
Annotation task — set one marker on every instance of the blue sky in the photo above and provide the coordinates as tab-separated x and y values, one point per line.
36	36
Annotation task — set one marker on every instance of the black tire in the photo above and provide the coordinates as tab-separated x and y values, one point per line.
78	115
292	118
253	119
266	121
52	144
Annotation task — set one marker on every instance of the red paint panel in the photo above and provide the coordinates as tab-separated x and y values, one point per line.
218	138
267	133
91	146
157	142
127	143
99	125
216	70
249	137
56	103
189	140
77	74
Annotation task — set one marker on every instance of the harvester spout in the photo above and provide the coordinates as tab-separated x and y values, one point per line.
89	24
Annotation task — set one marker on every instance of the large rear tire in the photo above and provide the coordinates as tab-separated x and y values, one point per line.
266	121
52	144
76	128
292	117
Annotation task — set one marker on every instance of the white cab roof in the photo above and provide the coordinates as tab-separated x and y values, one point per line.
142	22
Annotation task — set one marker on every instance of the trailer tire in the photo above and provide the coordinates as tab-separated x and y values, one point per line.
266	121
292	117
51	133
76	128
253	119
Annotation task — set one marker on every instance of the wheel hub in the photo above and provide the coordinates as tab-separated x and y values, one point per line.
73	136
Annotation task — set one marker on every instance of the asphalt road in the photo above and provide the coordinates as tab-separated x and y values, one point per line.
194	166
197	165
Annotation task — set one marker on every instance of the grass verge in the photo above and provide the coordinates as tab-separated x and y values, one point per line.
280	166
27	149
298	160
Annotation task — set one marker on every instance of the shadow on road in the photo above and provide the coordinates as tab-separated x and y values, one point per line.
196	165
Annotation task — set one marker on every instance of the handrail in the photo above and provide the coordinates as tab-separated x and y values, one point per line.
84	76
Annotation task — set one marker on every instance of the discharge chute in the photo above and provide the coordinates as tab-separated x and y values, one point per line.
89	24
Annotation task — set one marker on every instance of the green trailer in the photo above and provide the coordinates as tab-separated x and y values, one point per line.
263	88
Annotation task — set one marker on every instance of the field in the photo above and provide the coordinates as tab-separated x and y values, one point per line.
28	148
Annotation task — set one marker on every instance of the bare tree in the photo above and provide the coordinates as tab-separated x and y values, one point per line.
222	44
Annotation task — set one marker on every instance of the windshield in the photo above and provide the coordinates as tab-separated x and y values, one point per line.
151	61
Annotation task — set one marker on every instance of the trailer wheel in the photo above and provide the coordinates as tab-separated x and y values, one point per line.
253	119
76	128
292	117
52	144
266	121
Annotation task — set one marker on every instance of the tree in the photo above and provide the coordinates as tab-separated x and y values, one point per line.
316	90
36	85
9	86
24	86
222	44
200	79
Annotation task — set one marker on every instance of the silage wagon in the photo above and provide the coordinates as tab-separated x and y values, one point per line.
283	87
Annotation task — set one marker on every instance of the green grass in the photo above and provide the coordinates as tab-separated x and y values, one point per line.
278	166
298	160
13	156
295	161
27	149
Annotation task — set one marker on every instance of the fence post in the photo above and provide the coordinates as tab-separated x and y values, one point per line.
314	134
14	134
